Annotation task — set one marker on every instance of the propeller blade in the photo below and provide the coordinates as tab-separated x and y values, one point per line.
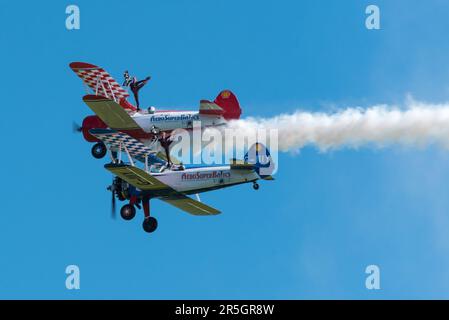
76	127
113	210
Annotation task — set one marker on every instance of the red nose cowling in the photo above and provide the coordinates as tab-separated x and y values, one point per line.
92	122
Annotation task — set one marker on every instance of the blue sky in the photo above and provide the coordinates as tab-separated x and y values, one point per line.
309	234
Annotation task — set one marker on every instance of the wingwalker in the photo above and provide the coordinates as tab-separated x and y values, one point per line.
127	134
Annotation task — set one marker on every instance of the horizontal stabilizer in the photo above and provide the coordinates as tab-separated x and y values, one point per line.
241	165
210	108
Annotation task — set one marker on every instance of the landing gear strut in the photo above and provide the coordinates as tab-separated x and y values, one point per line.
99	150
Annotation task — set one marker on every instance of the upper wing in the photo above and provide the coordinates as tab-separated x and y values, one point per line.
146	182
118	140
99	80
111	113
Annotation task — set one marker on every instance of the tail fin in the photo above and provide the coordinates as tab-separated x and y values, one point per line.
228	102
260	157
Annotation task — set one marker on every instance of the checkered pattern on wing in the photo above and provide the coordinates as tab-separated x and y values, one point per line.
136	149
107	86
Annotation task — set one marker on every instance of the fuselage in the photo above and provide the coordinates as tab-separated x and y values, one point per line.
171	120
156	122
202	179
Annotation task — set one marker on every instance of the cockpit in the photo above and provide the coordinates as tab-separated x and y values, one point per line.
158	167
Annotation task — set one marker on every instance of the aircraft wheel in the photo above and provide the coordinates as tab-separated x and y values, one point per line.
128	212
255	186
149	224
99	150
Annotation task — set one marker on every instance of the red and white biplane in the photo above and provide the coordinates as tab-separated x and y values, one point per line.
108	100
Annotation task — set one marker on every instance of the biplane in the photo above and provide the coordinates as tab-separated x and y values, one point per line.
108	100
141	172
156	178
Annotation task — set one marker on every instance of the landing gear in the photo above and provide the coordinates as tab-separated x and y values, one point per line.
255	186
127	212
99	150
149	224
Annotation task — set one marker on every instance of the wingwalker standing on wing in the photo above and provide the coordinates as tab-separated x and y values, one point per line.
135	86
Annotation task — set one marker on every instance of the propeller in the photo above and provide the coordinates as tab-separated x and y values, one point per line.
76	127
113	189
113	209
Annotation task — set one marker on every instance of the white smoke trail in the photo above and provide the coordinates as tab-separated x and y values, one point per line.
416	124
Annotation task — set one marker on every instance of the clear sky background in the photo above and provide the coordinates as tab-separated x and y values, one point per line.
309	234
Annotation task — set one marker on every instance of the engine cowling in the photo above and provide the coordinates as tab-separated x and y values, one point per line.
92	122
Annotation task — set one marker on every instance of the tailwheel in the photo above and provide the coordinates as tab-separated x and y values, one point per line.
127	212
255	186
99	150
149	224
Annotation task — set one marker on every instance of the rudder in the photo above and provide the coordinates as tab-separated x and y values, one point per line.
229	103
259	156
